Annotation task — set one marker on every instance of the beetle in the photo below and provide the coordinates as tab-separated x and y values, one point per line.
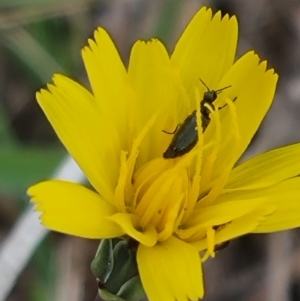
186	134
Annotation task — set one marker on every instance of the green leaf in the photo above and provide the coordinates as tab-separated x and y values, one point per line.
21	167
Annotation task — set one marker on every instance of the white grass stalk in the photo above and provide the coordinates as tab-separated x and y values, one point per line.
20	244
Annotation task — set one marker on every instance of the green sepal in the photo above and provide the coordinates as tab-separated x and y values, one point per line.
107	296
115	267
103	263
132	290
125	267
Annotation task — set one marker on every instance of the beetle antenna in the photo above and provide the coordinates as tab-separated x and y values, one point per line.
220	90
204	84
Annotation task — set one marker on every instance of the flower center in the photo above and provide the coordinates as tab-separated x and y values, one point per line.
166	192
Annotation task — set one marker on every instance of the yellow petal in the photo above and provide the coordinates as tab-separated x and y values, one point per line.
254	88
222	213
238	227
104	66
130	224
108	78
285	196
76	119
206	49
245	224
266	169
73	209
154	90
171	270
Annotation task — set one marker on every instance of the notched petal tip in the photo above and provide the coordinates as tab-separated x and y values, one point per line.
217	17
138	44
260	62
30	191
99	30
99	35
204	9
73	209
57	77
273	73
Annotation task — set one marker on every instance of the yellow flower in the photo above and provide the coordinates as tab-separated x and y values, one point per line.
174	208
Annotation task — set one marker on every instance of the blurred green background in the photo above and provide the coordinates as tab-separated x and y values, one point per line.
41	37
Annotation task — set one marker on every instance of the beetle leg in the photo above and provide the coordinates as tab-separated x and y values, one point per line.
176	129
220	108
